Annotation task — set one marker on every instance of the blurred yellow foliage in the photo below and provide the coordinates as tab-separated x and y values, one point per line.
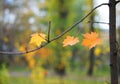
22	48
97	51
106	82
5	39
29	56
68	53
31	63
44	52
38	74
98	62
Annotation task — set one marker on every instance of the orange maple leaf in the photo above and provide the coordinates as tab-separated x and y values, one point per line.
70	40
37	39
91	40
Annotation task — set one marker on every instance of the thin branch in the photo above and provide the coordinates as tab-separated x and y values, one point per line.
49	27
57	37
99	22
117	1
11	53
20	53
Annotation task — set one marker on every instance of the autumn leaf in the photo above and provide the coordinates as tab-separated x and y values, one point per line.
70	40
37	39
91	40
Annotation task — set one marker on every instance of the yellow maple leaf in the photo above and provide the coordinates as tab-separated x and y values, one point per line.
91	40
37	39
70	40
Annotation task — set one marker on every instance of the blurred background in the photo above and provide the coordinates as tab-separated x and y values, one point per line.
54	64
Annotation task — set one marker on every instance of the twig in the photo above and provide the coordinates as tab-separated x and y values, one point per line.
49	27
57	37
98	22
20	53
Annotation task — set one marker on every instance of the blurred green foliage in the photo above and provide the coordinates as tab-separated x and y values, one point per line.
4	75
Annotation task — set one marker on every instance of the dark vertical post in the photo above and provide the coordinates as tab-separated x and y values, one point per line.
112	36
92	59
91	55
119	52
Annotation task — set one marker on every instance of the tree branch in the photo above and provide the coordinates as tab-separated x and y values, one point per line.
20	53
99	22
117	1
57	37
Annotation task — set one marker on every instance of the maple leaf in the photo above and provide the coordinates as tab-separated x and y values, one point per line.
37	39
70	40
91	40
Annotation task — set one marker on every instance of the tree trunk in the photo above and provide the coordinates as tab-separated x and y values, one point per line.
62	15
91	56
72	61
112	37
119	51
91	67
